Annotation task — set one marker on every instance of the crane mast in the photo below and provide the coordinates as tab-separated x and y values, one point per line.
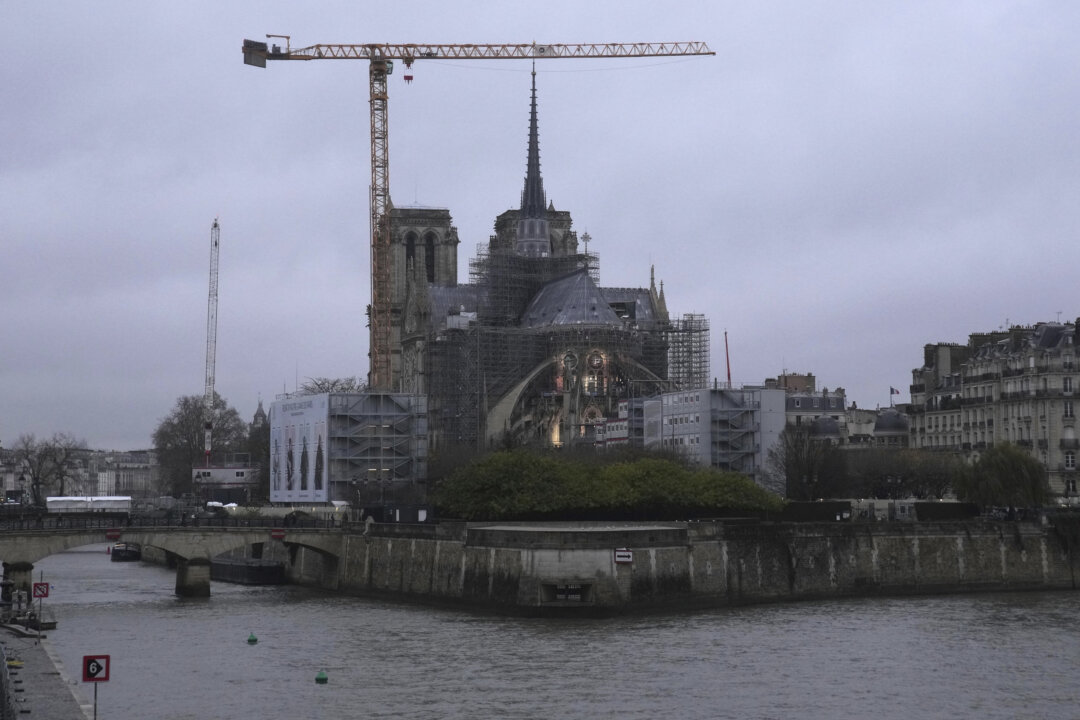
380	56
211	339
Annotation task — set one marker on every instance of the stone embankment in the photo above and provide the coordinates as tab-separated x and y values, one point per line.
600	569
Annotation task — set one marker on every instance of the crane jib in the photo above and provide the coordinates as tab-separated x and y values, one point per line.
256	52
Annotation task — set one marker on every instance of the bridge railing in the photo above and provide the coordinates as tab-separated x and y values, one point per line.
91	521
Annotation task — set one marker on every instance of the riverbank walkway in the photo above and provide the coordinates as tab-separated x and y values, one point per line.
40	687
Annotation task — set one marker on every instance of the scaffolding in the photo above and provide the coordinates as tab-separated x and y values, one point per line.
473	365
376	440
734	431
688	352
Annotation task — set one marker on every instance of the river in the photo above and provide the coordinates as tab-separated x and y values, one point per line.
985	656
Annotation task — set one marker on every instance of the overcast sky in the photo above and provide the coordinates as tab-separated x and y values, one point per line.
842	183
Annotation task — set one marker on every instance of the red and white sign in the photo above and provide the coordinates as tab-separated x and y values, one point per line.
41	589
112	534
278	533
624	556
95	668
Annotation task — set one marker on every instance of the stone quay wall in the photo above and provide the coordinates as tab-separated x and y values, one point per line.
567	568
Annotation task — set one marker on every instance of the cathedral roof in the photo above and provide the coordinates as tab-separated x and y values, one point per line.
571	300
637	303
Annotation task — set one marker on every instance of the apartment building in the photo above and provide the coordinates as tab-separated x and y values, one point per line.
1016	385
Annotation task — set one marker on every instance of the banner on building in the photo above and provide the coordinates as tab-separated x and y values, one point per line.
299	471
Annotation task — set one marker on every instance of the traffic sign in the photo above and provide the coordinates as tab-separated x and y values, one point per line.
277	533
95	668
41	589
624	556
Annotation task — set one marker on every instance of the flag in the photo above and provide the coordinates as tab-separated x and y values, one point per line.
893	391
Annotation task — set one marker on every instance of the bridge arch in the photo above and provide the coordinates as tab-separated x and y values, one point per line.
191	548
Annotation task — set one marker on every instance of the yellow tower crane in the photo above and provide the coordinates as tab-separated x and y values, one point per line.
380	57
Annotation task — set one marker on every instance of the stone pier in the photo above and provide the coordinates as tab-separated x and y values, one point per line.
193	577
17	576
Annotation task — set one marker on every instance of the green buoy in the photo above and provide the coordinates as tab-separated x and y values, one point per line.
320	678
252	639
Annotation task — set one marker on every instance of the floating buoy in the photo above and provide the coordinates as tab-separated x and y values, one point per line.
252	639
320	678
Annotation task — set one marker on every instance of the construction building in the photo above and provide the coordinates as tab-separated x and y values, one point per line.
532	350
726	428
365	449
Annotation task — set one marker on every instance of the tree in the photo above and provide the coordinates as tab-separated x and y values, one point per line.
179	439
1004	476
320	385
525	485
809	467
258	448
49	466
901	473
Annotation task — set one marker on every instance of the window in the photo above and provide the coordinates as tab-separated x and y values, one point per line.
429	256
1067	408
1070	460
1066	384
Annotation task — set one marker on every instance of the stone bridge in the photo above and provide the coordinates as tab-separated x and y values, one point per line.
190	548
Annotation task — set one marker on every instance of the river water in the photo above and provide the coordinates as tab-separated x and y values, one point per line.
976	656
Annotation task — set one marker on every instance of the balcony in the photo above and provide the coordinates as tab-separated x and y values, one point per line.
1069	444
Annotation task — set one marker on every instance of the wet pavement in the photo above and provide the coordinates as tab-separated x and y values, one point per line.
42	687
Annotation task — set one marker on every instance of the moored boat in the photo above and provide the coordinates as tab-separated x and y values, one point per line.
125	552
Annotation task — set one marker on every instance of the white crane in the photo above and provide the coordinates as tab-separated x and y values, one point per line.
211	338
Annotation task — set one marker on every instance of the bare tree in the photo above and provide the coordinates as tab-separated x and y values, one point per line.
809	467
319	385
179	439
49	466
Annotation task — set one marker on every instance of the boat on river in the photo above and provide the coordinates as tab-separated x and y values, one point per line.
125	552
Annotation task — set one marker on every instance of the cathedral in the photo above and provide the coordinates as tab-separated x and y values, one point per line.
531	350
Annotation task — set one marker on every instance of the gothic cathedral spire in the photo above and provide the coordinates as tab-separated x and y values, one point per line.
532	230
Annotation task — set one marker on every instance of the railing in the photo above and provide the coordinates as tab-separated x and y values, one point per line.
136	522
